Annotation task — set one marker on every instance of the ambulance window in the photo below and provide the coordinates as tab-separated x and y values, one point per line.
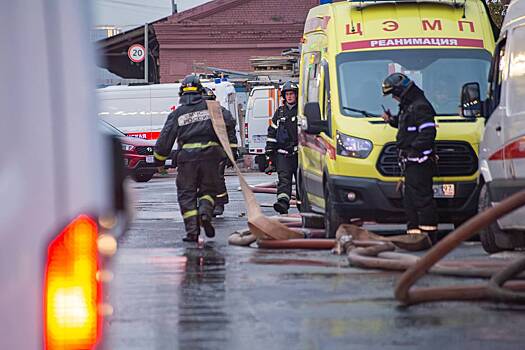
263	108
313	76
305	78
327	105
497	75
516	90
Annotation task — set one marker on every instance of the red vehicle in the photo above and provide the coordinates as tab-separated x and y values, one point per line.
138	153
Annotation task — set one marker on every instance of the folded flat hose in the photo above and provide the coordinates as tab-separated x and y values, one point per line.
260	226
451	241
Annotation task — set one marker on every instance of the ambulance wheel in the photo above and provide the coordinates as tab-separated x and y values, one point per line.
305	205
142	177
487	235
332	220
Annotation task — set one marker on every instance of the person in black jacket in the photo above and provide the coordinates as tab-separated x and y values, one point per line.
222	194
197	159
281	146
415	142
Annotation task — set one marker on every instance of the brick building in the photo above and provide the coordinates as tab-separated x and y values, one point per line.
220	33
227	33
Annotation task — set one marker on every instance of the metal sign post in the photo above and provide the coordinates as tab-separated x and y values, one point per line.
146	47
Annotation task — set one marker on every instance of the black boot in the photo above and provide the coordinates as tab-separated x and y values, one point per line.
208	227
281	207
193	229
191	237
218	210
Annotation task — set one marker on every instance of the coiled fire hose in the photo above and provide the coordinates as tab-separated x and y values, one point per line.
492	291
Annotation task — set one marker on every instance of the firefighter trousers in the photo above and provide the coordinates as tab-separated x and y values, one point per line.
418	199
286	171
197	190
222	193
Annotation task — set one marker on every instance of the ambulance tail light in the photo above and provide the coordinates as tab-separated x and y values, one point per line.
246	131
72	291
513	150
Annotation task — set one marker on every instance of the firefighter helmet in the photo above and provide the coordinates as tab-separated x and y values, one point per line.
289	86
191	84
396	84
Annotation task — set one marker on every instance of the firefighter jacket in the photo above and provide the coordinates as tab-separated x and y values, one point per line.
416	127
282	132
190	125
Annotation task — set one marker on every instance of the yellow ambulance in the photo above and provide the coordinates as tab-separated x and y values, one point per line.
348	166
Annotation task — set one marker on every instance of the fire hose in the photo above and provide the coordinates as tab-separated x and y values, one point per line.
376	254
492	291
260	226
365	253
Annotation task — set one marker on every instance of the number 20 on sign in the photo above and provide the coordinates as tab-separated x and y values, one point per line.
136	53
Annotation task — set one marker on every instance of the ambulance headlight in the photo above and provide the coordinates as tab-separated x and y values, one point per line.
127	148
349	146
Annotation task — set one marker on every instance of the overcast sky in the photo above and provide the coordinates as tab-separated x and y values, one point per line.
131	13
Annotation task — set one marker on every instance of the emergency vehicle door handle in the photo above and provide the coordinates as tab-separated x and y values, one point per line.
498	128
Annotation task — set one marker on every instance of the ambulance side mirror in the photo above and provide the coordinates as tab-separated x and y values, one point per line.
471	104
314	124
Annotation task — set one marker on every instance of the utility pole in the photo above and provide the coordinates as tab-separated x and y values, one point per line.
173	7
146	47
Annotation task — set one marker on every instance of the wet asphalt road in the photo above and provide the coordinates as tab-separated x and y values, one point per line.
172	295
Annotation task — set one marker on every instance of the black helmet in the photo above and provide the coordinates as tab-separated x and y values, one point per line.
396	84
190	85
289	86
208	94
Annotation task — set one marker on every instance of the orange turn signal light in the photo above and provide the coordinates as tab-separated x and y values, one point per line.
72	291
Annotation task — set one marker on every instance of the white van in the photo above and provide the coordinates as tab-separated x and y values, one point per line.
262	104
141	111
57	181
502	151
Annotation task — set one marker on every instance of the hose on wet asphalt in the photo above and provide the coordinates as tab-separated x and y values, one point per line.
498	288
493	291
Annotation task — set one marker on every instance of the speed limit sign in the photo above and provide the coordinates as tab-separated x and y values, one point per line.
137	53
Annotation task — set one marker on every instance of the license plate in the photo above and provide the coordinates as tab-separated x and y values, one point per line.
168	162
150	159
444	191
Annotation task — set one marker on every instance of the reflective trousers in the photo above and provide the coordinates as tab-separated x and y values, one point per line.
222	193
418	198
286	171
197	190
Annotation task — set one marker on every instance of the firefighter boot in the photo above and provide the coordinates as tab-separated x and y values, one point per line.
206	205
218	210
206	224
281	206
192	229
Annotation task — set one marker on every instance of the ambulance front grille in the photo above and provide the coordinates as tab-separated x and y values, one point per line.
455	159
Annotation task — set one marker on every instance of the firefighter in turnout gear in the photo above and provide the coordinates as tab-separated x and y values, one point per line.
222	193
197	160
415	142
281	146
